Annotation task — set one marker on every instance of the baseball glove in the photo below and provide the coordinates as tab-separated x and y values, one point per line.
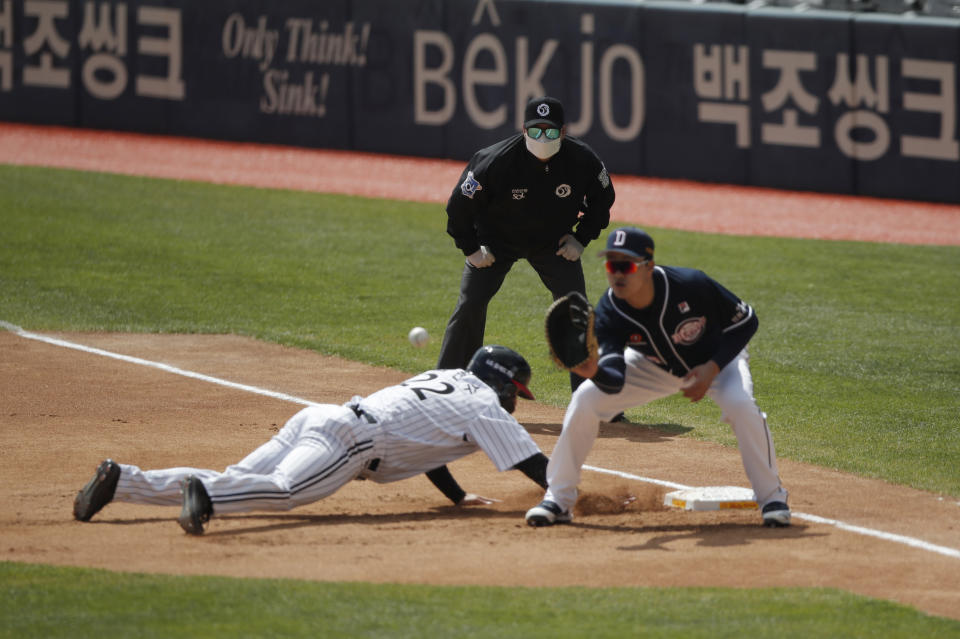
570	335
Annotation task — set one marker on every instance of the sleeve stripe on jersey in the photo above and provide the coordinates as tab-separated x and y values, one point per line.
741	322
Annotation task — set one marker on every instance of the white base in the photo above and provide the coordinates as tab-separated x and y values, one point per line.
711	498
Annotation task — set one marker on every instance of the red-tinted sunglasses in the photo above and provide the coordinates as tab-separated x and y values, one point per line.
627	267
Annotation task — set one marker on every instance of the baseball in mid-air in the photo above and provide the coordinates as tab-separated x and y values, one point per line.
418	336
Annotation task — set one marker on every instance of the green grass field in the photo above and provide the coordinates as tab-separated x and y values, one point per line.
46	602
855	361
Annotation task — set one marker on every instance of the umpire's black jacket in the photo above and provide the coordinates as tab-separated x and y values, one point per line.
510	201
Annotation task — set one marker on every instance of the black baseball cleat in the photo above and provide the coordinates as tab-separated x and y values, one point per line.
776	514
197	507
619	418
547	513
98	492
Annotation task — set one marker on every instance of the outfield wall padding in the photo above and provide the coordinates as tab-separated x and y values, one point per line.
812	100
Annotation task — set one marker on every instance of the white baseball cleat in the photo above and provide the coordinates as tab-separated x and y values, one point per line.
776	514
547	513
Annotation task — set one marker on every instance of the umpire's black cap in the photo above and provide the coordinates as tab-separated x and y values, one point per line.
630	241
543	110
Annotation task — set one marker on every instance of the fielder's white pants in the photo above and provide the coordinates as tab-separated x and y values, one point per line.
732	390
318	451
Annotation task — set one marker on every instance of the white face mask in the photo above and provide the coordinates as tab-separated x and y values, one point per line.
542	148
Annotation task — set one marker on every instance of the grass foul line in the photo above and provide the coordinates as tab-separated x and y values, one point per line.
860	530
164	367
879	534
649	480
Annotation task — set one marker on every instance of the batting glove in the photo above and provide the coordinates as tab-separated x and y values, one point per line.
570	248
482	258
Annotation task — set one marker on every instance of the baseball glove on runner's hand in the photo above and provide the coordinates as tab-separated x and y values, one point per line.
570	333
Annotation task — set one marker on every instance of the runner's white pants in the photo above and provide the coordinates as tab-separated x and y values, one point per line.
319	450
732	390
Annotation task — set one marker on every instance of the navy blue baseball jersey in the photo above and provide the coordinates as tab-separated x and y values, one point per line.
515	204
692	320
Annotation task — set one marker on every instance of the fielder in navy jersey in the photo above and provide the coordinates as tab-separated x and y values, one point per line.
409	429
663	330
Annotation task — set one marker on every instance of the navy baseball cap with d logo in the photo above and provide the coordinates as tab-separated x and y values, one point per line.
634	242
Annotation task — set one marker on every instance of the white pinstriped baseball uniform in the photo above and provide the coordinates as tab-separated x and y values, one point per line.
395	433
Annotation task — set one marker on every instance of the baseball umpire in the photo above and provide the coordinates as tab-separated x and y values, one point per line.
415	427
540	195
663	330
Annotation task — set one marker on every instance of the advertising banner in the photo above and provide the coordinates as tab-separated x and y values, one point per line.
796	65
906	108
698	93
813	100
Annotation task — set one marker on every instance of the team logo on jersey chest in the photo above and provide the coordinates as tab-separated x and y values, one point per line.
636	339
564	190
470	185
689	331
519	194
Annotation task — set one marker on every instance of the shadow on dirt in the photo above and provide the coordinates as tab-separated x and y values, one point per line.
643	433
718	535
277	522
655	537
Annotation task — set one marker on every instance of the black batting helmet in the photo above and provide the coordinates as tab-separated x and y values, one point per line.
505	371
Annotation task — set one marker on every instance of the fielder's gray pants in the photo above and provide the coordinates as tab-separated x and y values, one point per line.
732	390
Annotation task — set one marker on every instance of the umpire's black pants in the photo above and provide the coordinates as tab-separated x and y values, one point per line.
464	334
